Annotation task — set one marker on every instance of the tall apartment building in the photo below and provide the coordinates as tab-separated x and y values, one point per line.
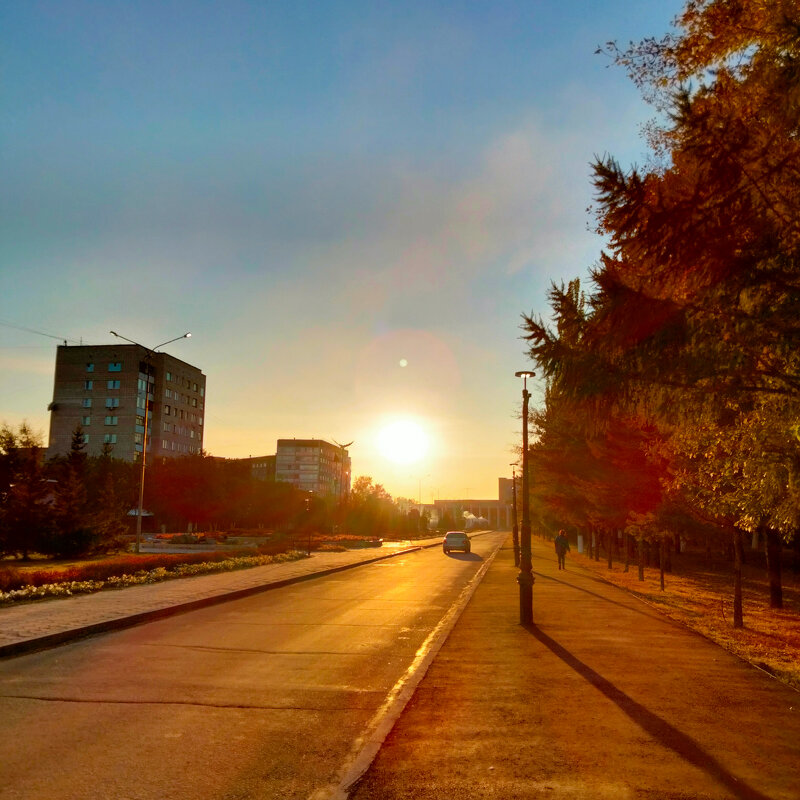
314	465
104	389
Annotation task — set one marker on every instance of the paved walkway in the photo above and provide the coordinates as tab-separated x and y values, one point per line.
44	623
601	698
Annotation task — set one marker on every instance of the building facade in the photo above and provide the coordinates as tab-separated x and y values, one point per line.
314	465
109	390
262	468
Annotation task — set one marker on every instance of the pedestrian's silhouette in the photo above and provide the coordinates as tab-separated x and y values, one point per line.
562	548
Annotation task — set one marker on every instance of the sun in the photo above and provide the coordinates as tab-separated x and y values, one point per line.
403	441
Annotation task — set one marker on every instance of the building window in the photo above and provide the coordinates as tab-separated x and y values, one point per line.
86	438
88	384
87	402
202	391
111	420
138	438
112	402
140	402
166	410
109	438
194	402
167	426
194	387
115	366
169	376
168	393
86	420
164	444
181	414
112	384
90	367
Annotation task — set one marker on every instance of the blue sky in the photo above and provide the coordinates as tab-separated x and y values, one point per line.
316	191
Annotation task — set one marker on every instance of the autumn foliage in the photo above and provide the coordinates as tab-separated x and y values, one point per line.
673	402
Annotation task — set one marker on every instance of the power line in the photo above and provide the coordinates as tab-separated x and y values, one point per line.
38	333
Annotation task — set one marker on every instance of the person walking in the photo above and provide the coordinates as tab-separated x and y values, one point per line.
562	548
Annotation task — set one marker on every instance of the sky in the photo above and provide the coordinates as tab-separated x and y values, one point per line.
349	205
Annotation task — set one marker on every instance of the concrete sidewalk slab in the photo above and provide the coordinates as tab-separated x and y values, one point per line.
601	698
45	623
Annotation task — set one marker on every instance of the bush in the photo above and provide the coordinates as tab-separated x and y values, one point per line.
63	586
11	578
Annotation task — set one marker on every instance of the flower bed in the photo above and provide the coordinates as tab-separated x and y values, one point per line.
151	569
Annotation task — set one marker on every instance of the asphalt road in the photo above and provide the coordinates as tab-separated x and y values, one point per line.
263	697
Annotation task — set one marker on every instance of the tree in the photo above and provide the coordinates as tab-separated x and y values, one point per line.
371	510
26	515
694	323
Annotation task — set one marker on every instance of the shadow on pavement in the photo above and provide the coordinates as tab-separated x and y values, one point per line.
669	736
464	556
627	607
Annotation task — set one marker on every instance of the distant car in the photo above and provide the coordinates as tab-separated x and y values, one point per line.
456	540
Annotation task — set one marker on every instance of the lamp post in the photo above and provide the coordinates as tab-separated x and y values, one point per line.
525	578
340	515
515	533
308	522
149	355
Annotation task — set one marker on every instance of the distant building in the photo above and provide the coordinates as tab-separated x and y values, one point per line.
262	468
102	388
314	465
499	513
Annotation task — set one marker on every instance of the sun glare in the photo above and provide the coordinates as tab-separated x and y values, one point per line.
403	442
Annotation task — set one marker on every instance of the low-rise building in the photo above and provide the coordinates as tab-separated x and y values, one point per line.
314	465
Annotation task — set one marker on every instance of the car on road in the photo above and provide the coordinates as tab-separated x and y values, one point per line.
456	540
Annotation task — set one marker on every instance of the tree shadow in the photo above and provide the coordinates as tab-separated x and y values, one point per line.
632	607
661	730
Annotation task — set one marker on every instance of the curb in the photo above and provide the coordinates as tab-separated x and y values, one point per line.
369	743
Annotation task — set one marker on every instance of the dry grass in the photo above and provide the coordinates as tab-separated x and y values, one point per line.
701	597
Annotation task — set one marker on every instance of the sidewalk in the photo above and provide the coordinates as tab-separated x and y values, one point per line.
601	698
44	623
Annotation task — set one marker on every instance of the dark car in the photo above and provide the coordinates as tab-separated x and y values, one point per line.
456	540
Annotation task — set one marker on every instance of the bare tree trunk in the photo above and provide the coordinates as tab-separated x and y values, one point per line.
640	557
738	616
626	539
774	547
662	551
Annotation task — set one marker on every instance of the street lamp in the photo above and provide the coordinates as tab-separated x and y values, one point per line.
342	455
514	497
149	355
525	578
308	522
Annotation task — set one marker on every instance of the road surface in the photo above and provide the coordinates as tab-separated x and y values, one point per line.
262	697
